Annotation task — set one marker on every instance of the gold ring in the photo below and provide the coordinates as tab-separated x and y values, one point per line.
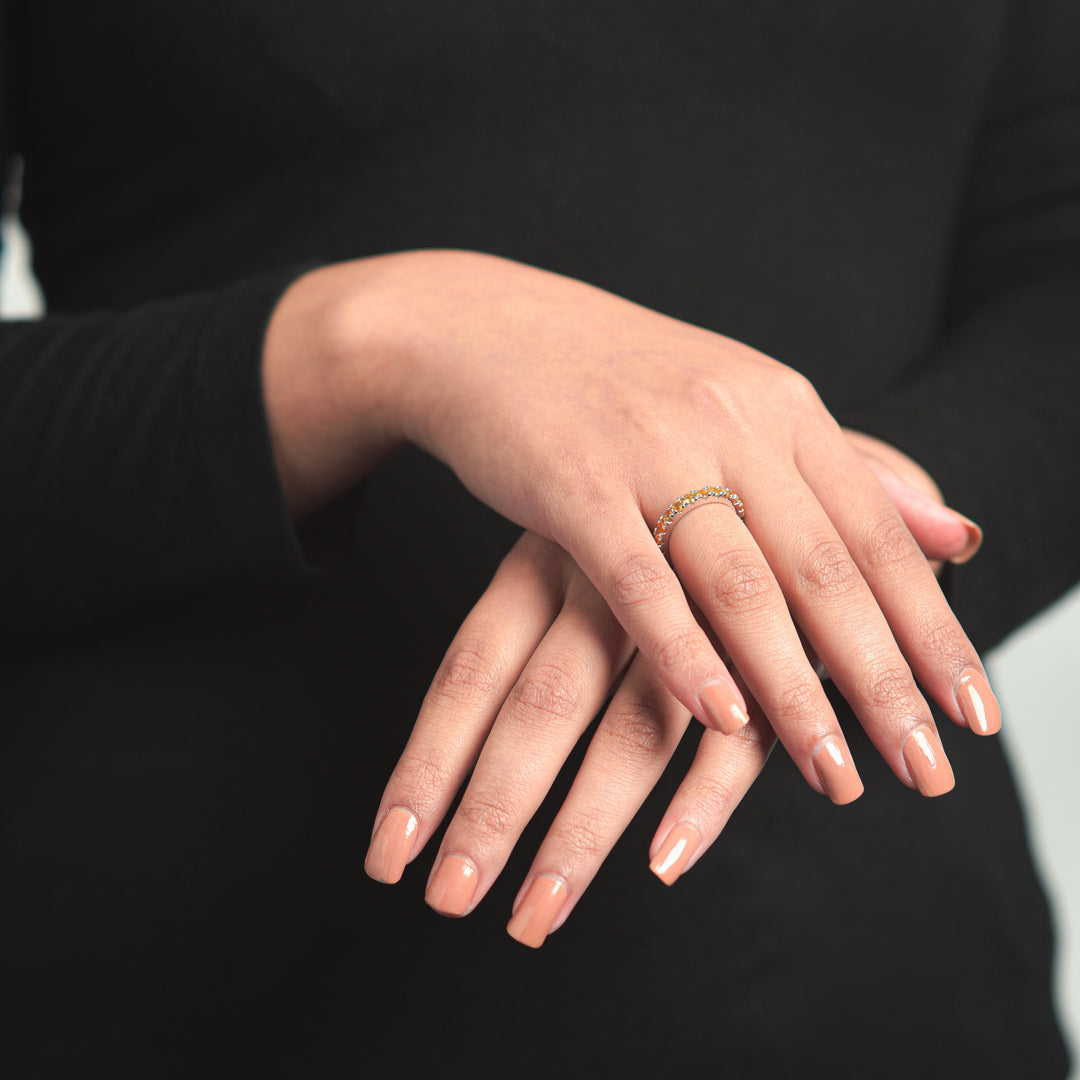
688	502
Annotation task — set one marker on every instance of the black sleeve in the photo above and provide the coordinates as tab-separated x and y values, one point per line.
135	458
993	414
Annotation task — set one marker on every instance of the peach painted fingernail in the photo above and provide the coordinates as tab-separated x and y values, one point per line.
978	704
974	541
452	886
927	763
836	771
675	852
722	708
391	846
535	916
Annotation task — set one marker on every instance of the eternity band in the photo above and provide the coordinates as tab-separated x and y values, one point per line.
688	502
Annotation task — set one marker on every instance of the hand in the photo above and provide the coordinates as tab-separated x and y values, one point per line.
524	677
580	416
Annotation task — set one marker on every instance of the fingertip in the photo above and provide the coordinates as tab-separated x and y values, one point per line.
391	846
974	539
723	707
836	771
675	852
452	886
538	911
977	703
927	764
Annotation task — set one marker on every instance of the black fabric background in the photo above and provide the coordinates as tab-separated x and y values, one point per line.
197	727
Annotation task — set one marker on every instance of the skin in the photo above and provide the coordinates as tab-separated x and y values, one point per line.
580	416
523	679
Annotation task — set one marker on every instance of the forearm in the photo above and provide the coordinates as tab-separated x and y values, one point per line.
134	458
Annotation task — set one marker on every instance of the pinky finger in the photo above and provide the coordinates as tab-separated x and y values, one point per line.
941	532
722	772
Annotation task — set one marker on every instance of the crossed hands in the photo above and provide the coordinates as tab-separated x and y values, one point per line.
581	416
526	674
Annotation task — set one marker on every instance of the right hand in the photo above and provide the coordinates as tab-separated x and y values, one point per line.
580	416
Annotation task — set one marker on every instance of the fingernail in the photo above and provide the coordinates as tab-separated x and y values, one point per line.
675	852
536	914
974	542
927	763
722	708
452	886
978	704
836	771
391	846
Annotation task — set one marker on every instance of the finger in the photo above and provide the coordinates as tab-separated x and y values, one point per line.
483	662
928	633
733	585
941	533
558	694
631	747
722	772
626	566
834	607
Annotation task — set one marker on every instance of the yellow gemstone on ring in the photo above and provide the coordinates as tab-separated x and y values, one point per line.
693	498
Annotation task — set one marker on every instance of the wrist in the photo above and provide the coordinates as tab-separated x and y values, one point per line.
329	385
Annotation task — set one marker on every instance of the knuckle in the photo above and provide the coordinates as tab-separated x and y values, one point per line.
637	736
712	796
468	673
940	635
887	543
796	703
678	651
638	579
581	837
423	776
797	385
716	791
796	392
490	813
826	571
886	686
753	743
740	584
549	691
